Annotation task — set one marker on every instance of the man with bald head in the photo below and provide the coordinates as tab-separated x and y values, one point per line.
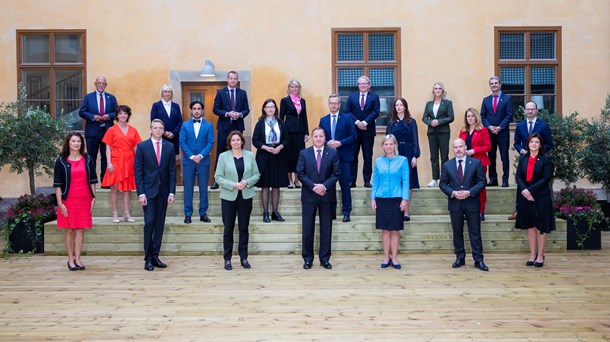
98	110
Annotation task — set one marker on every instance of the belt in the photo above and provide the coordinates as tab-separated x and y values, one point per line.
272	145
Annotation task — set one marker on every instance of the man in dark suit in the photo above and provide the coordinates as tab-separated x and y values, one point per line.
341	135
231	106
496	114
462	179
169	112
196	141
364	107
155	173
98	110
318	170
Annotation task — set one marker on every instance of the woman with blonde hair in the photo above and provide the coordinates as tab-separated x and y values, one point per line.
293	112
438	114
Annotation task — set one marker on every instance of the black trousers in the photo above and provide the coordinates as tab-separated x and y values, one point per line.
439	143
95	144
474	233
366	143
240	208
154	223
308	220
499	141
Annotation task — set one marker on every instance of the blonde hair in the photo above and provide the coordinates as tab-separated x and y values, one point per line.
392	138
166	87
296	83
444	96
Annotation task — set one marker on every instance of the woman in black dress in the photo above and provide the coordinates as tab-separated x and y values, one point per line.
534	201
294	114
270	137
403	126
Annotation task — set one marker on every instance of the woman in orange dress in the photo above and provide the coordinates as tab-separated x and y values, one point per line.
121	141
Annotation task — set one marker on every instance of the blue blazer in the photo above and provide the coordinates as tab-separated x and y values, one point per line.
391	178
307	172
540	127
172	123
222	105
503	115
369	114
474	181
345	132
153	179
192	146
89	108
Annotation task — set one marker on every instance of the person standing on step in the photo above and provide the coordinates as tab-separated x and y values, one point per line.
438	114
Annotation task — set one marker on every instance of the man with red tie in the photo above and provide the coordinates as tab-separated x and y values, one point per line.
496	114
98	110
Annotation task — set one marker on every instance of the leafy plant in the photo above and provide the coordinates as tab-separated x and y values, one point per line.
579	205
596	154
33	211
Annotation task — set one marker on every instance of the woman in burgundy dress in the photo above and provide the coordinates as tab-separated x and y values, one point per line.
74	181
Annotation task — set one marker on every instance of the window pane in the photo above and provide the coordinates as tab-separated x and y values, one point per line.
350	47
543	80
347	79
545	102
381	47
197	96
542	45
35	48
36	83
385	110
44	104
382	81
513	80
518	104
68	48
512	46
69	110
68	85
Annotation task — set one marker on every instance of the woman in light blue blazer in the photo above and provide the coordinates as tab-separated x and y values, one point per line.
236	174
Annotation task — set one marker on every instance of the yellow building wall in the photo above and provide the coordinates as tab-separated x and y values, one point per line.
136	43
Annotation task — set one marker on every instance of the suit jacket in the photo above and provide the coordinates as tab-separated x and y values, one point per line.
444	115
474	181
153	179
369	114
259	139
345	132
307	172
192	146
481	144
226	175
89	108
541	180
295	123
503	115
540	127
222	105
172	123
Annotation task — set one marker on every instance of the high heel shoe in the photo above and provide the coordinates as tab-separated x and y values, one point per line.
80	267
115	217
127	217
266	218
277	217
539	264
70	268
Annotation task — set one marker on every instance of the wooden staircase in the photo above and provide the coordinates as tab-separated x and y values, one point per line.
429	230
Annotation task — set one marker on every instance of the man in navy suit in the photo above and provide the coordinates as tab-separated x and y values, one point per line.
155	174
364	107
341	135
98	110
318	170
231	106
196	141
462	179
496	114
169	112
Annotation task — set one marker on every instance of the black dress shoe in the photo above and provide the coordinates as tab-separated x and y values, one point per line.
80	267
266	217
385	265
539	264
187	219
481	265
158	263
367	185
245	264
333	217
482	217
277	217
494	183
307	265
458	263
70	268
505	184
298	186
406	218
228	265
530	263
352	184
214	186
326	265
148	265
346	218
204	218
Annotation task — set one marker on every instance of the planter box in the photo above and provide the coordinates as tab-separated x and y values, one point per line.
21	240
594	242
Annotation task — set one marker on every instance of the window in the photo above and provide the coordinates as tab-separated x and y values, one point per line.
374	53
528	61
51	66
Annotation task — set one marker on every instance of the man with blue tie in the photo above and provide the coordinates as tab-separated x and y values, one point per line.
196	142
364	107
496	114
98	110
231	106
341	135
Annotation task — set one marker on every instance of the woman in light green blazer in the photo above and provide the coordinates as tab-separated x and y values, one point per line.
236	174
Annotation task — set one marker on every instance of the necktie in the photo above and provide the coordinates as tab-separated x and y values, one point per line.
361	101
460	172
333	125
232	100
530	128
495	103
319	159
102	106
197	121
158	153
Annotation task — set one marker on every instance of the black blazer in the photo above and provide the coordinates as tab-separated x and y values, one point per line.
153	179
474	181
222	105
295	123
258	140
62	175
307	172
543	173
172	123
444	115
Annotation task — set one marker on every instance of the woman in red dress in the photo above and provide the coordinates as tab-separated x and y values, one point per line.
74	181
478	143
121	141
